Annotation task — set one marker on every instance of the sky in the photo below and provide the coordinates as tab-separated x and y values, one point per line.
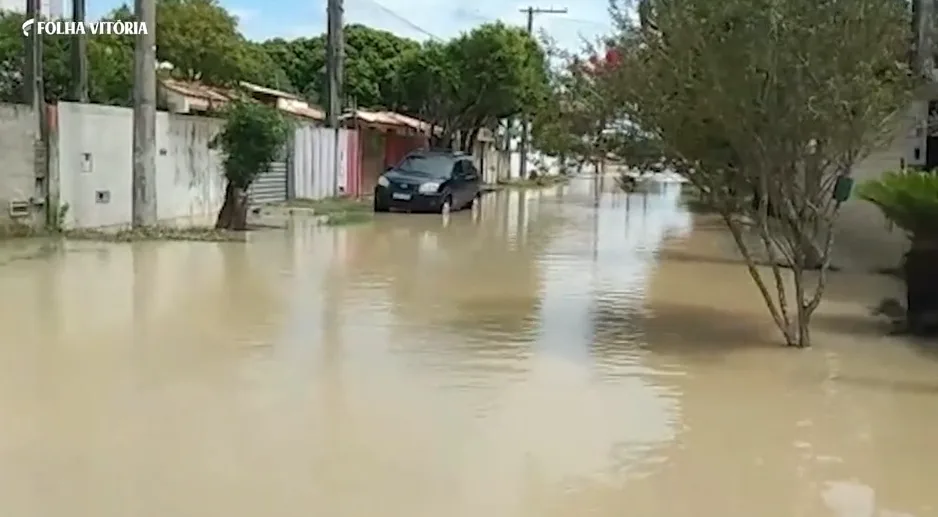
417	19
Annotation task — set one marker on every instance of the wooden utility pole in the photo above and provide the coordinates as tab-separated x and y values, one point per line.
34	96
526	122
33	61
79	48
144	138
335	54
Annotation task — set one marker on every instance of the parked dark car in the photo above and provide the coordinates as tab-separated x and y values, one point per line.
429	181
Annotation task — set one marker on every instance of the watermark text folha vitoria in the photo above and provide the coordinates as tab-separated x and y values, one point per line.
68	27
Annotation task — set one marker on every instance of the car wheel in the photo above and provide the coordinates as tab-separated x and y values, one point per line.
471	203
379	207
446	206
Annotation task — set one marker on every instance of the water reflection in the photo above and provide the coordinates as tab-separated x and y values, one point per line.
538	357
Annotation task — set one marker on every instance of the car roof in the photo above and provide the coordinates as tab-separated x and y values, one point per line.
439	152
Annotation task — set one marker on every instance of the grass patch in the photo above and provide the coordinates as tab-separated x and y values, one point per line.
331	205
344	218
155	233
336	211
540	181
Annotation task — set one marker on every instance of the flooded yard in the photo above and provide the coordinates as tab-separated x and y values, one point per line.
540	357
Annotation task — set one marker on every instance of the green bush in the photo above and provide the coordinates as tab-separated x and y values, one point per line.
908	199
253	136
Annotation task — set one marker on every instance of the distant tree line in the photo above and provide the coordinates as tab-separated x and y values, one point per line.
470	82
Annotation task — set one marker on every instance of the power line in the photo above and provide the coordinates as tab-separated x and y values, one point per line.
403	19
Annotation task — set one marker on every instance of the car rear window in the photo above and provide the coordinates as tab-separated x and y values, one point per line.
429	165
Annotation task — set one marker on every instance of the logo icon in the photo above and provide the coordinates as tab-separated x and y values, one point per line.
27	25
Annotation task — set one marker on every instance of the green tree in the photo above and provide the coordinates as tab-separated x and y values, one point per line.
372	60
110	61
252	137
303	61
474	80
427	85
582	109
199	37
777	97
201	40
259	67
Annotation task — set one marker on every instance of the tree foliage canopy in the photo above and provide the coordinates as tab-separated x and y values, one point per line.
372	58
472	81
198	37
773	99
253	136
461	85
110	56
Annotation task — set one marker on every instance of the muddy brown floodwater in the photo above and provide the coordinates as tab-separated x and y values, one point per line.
539	358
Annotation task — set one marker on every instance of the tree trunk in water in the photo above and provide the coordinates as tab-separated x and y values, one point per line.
813	256
234	211
921	283
802	332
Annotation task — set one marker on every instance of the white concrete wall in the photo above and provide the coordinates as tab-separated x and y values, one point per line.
17	150
95	149
535	161
190	178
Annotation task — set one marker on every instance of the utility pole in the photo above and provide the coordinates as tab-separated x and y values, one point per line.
33	90
79	48
335	54
144	136
526	122
34	96
30	64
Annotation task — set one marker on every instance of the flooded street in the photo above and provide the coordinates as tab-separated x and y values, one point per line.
538	358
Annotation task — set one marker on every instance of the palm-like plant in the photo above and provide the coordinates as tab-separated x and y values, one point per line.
908	199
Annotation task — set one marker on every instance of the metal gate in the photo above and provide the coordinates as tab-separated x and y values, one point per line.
270	186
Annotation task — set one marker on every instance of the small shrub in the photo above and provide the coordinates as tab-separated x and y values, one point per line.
908	199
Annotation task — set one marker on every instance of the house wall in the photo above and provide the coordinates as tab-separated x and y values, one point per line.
315	175
397	147
18	141
491	162
372	151
354	163
863	240
95	161
190	178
